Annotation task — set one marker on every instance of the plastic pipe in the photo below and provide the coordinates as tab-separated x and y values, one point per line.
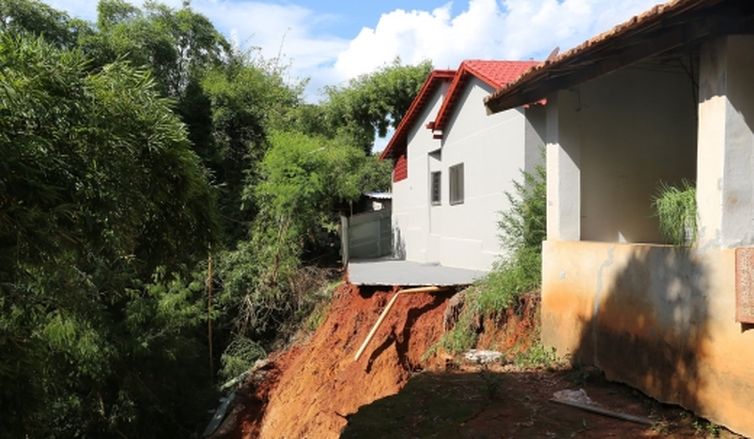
432	289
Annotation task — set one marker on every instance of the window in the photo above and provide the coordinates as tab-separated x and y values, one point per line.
435	188
456	183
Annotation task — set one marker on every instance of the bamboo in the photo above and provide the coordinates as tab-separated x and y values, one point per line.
432	289
209	314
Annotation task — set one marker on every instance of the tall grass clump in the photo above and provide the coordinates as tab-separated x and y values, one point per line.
522	229
675	207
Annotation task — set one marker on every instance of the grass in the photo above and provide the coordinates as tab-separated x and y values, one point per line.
707	428
537	356
675	207
522	229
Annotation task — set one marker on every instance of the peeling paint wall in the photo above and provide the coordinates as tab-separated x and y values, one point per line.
658	318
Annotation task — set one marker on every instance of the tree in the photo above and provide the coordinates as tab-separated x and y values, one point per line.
102	204
374	102
243	100
176	45
36	18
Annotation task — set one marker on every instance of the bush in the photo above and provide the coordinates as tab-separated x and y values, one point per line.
522	230
675	207
240	354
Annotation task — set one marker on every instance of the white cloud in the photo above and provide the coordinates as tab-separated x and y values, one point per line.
272	28
276	29
508	29
492	29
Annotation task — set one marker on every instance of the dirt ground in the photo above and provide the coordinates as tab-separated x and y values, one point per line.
316	384
315	389
499	403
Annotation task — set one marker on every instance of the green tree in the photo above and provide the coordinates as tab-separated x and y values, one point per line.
177	45
36	18
372	103
99	190
244	99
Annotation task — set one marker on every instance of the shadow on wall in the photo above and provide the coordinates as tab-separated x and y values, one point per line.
649	326
399	245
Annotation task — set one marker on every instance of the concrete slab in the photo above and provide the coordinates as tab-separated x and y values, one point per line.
407	273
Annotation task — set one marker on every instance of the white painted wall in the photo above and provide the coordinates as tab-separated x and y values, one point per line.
494	149
411	195
610	143
725	189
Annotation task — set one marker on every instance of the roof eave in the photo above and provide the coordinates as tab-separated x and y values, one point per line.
662	28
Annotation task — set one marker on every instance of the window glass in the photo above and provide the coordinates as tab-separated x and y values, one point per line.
456	183
435	194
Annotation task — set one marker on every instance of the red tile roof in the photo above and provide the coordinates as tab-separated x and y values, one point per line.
397	144
496	74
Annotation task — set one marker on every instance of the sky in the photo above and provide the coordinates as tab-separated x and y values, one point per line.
332	41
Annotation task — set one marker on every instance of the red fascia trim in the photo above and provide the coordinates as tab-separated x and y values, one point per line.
401	132
400	169
464	70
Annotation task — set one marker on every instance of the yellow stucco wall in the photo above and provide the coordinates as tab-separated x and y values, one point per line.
658	318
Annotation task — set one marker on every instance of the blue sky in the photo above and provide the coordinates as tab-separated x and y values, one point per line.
332	41
350	16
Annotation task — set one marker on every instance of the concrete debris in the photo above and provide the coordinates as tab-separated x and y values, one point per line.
579	396
482	356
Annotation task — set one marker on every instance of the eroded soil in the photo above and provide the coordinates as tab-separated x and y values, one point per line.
315	389
497	403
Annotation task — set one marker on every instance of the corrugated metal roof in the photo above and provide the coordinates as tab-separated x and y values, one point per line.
379	195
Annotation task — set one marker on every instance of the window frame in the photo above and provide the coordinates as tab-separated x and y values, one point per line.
456	190
435	180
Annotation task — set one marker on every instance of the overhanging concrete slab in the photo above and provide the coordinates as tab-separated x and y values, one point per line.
407	273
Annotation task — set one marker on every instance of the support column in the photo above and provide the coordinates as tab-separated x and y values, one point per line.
563	173
725	165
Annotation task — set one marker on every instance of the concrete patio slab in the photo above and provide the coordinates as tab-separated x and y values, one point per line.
407	273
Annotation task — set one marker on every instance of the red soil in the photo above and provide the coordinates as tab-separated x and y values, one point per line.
315	389
318	383
513	331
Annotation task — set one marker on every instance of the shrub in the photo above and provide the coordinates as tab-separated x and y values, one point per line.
675	207
522	229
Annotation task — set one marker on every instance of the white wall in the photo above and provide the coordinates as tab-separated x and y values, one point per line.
725	190
492	149
411	195
615	139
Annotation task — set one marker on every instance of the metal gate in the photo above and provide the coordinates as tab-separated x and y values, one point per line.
366	235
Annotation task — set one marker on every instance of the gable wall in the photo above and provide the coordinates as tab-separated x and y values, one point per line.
410	215
491	147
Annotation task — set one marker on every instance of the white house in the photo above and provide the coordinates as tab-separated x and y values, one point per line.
666	96
453	164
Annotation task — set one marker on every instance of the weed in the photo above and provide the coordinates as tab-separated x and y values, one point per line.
240	354
463	336
705	427
536	356
522	228
676	210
